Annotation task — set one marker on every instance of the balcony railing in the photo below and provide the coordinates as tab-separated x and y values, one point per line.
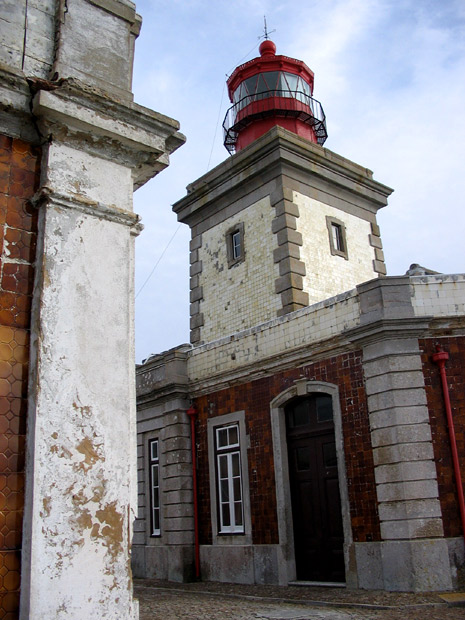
281	103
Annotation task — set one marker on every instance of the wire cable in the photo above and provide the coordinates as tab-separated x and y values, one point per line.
221	105
158	261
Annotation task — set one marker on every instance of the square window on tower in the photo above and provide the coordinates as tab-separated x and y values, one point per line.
235	244
337	237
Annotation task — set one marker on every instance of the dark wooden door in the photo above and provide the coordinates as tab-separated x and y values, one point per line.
316	505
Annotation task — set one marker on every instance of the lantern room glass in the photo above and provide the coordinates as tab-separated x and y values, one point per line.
270	84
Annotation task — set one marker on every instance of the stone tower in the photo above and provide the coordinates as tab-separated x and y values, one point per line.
284	223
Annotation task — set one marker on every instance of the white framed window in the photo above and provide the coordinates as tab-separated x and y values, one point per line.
338	240
229	480
337	237
235	244
154	474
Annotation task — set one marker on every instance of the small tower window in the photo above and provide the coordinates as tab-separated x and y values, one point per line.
337	237
338	240
235	244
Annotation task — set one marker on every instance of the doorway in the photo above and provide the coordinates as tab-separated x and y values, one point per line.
314	487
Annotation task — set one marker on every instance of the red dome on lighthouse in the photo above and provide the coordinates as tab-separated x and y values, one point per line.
272	90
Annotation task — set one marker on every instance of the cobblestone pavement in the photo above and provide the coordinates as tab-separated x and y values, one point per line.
214	601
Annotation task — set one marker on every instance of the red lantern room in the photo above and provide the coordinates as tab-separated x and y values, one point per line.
272	90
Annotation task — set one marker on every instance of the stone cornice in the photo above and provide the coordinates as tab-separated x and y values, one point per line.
39	110
45	196
388	329
15	99
130	134
299	356
279	151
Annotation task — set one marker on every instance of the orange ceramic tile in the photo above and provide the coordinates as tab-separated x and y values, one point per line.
17	278
6	334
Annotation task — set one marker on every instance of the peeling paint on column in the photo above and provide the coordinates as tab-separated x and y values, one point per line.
97	146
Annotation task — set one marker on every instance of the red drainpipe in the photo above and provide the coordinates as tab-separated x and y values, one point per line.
192	413
440	358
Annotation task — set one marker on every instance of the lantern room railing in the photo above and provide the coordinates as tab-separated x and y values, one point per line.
279	103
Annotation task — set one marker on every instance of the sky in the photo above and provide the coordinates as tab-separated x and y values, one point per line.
390	75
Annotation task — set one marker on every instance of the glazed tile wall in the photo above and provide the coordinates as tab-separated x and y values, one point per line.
302	327
19	175
329	275
243	295
254	398
439	295
455	371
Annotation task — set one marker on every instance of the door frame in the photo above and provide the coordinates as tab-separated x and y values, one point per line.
286	563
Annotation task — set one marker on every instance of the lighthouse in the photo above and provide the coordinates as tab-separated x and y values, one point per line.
272	91
309	373
283	223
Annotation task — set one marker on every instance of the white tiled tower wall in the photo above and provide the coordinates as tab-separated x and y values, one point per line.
327	274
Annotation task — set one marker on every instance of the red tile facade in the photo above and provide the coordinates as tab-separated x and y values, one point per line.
254	398
455	371
19	178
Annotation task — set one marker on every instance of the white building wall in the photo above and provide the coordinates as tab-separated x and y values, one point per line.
243	295
82	420
329	275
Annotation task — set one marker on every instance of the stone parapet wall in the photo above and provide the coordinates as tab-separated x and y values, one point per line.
272	341
32	51
438	295
52	39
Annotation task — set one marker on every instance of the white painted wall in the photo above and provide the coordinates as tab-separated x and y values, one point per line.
81	441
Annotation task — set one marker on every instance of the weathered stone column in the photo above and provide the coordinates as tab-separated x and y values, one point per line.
65	96
81	476
97	147
413	554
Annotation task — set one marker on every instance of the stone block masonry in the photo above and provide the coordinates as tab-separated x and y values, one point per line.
19	179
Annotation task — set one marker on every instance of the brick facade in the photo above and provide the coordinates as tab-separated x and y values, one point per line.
19	176
254	398
455	371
